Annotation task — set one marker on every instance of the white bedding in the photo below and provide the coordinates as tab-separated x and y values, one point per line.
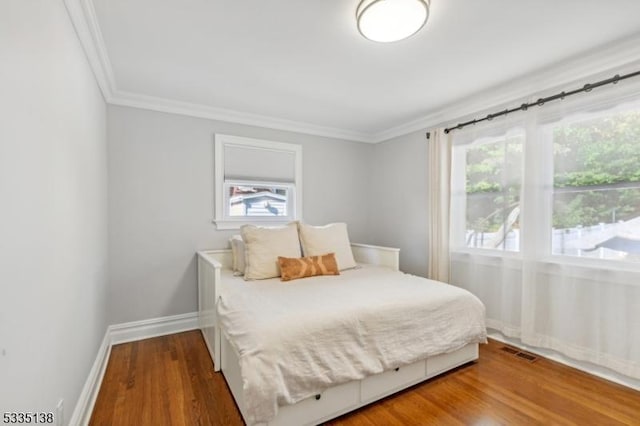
295	339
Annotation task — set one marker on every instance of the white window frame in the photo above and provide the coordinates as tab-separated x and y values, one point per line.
221	219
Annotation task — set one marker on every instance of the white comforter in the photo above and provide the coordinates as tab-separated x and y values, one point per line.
295	339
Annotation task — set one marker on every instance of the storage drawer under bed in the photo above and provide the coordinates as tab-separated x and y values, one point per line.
335	400
441	363
348	396
388	382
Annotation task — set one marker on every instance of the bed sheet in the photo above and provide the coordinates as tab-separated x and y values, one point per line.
294	339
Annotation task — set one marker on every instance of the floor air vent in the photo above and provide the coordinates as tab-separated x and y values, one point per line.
510	350
524	355
528	357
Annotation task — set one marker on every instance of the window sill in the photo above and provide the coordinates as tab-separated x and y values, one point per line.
236	224
491	257
592	263
487	252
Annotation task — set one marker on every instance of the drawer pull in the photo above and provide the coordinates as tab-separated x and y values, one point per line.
397	369
318	396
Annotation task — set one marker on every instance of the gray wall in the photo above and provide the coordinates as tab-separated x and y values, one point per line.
399	199
161	202
53	209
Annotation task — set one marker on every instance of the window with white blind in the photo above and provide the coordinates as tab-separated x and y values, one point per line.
257	181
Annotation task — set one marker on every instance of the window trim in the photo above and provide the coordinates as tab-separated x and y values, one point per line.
221	218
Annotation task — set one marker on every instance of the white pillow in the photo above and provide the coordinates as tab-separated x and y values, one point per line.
263	245
237	251
332	238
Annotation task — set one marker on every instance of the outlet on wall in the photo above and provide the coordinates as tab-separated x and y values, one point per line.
60	413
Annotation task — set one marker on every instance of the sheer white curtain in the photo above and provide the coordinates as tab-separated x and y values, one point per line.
489	271
552	246
439	184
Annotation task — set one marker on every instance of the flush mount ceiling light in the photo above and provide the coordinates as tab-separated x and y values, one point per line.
391	20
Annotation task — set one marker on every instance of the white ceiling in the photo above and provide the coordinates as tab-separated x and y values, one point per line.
304	61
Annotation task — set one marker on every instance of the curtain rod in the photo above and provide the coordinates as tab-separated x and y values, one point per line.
586	88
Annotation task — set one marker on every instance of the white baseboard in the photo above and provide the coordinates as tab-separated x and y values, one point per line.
595	370
145	329
86	401
123	333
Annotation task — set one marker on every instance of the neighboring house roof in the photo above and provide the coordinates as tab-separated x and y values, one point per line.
621	244
262	203
257	196
621	236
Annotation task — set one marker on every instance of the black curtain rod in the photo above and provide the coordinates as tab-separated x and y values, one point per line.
586	88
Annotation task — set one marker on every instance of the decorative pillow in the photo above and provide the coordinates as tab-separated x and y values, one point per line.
292	269
237	251
332	238
263	245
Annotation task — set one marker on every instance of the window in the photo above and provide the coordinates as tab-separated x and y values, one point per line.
488	184
563	182
256	181
596	186
257	199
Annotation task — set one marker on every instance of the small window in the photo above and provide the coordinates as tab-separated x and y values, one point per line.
257	182
258	199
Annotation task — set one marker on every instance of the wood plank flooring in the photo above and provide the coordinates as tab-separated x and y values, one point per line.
170	380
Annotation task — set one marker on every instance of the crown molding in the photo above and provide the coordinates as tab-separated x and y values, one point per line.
83	17
612	57
153	103
606	58
85	22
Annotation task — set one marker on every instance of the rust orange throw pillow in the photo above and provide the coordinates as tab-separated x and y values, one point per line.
294	268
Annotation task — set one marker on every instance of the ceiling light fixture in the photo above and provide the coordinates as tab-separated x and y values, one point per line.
391	20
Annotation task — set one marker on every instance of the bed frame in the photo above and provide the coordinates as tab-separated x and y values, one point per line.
336	400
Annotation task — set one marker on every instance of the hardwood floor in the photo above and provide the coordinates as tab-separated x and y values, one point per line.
166	380
170	380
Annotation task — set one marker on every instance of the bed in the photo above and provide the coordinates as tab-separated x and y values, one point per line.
305	352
